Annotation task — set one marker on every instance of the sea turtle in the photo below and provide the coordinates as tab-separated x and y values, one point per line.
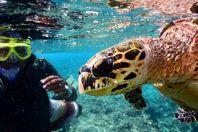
170	62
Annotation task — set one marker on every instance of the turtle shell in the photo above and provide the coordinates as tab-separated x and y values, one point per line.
177	22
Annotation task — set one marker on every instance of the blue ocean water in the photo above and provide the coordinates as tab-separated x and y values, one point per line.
75	46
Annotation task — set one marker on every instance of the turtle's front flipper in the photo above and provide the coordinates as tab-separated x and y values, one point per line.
186	115
135	98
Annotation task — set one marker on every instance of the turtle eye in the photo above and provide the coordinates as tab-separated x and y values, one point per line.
103	67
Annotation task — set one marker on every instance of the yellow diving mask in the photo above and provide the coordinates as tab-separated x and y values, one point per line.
20	48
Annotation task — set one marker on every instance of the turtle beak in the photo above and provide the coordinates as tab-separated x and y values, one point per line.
90	90
80	85
86	83
85	80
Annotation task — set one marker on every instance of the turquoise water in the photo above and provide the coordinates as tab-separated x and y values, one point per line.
72	47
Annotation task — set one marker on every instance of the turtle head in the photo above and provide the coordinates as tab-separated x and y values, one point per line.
115	70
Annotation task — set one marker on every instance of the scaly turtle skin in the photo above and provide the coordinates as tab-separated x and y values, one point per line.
170	62
165	7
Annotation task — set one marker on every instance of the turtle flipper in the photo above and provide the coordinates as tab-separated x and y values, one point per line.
186	115
135	98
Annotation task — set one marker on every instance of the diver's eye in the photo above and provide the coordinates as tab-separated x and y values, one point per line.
103	67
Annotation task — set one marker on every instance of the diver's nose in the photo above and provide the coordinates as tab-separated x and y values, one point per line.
13	58
103	67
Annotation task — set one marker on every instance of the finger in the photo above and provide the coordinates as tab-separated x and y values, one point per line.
59	82
55	86
49	78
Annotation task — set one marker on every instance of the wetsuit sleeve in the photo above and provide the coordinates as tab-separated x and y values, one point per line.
49	69
46	69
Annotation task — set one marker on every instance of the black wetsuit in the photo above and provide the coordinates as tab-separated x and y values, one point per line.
24	104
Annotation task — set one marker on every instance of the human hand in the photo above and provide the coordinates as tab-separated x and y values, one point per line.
55	84
59	87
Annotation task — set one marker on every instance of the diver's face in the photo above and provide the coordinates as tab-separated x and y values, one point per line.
12	62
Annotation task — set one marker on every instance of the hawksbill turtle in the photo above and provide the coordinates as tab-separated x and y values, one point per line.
169	62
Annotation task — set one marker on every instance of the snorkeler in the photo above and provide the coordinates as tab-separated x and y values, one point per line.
24	80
